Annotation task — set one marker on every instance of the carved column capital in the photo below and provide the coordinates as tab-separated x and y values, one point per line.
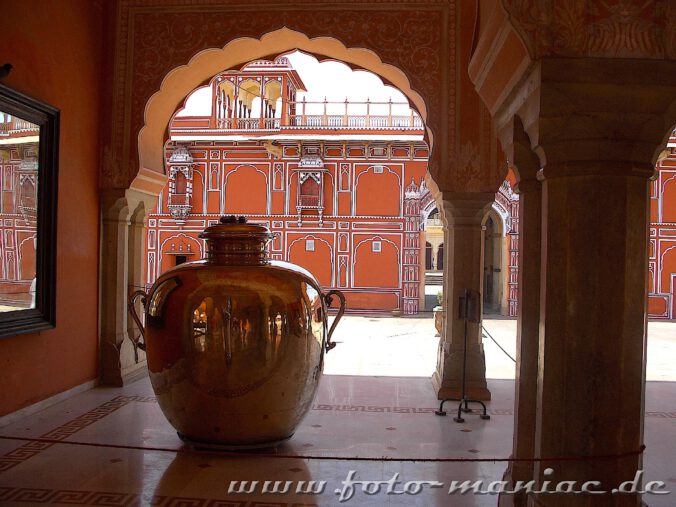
605	111
464	208
582	116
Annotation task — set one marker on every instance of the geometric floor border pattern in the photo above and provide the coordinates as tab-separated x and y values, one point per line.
17	456
41	496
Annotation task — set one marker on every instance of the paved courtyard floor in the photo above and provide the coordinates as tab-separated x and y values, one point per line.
405	346
372	419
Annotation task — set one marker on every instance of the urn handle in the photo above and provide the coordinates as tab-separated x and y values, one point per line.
138	344
328	297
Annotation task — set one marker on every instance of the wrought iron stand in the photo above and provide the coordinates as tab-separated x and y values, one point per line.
469	312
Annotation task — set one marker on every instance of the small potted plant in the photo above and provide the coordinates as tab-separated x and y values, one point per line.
439	313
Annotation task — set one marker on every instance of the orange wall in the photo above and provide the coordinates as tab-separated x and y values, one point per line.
662	260
340	252
56	53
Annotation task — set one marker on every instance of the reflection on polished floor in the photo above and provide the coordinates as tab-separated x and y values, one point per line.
373	417
113	447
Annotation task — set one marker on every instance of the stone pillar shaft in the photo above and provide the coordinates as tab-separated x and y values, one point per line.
122	267
114	267
527	337
463	269
592	327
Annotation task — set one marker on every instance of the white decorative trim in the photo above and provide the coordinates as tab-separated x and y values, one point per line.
661	265
313	237
355	250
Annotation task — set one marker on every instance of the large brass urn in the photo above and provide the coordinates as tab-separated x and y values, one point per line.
235	342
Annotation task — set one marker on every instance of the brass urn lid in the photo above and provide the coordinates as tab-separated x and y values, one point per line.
235	241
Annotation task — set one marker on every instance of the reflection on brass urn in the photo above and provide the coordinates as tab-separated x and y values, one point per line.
235	342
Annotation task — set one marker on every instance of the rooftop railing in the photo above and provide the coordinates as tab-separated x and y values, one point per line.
16	125
371	115
304	114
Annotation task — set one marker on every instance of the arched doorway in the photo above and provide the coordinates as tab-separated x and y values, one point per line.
434	254
158	112
494	260
440	258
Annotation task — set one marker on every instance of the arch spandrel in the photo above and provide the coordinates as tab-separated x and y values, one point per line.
182	80
414	38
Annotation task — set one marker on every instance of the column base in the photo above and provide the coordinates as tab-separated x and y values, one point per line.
452	389
110	368
118	366
447	380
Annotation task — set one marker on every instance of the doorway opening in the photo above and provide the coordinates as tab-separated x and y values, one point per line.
333	161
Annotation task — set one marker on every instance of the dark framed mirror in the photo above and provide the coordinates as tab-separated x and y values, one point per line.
29	141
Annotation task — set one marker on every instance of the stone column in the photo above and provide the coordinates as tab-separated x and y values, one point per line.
114	275
421	270
122	258
593	326
133	362
526	165
463	214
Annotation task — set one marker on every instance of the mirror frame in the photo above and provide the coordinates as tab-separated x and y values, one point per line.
43	316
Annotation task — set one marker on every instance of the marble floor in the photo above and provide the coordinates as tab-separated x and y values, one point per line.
111	446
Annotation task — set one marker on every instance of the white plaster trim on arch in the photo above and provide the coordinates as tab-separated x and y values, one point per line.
290	174
660	195
652	274
197	174
664	183
334	182
355	250
32	236
502	214
660	191
672	300
660	267
428	208
268	197
331	253
19	255
179	82
160	250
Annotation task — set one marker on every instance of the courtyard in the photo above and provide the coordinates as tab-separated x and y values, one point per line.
372	420
407	347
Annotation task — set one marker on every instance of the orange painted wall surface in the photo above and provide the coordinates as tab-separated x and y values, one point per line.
662	261
243	179
56	53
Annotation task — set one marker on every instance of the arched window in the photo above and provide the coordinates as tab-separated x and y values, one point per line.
309	192
181	185
28	194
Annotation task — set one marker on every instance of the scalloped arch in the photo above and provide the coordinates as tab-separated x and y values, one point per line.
179	82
